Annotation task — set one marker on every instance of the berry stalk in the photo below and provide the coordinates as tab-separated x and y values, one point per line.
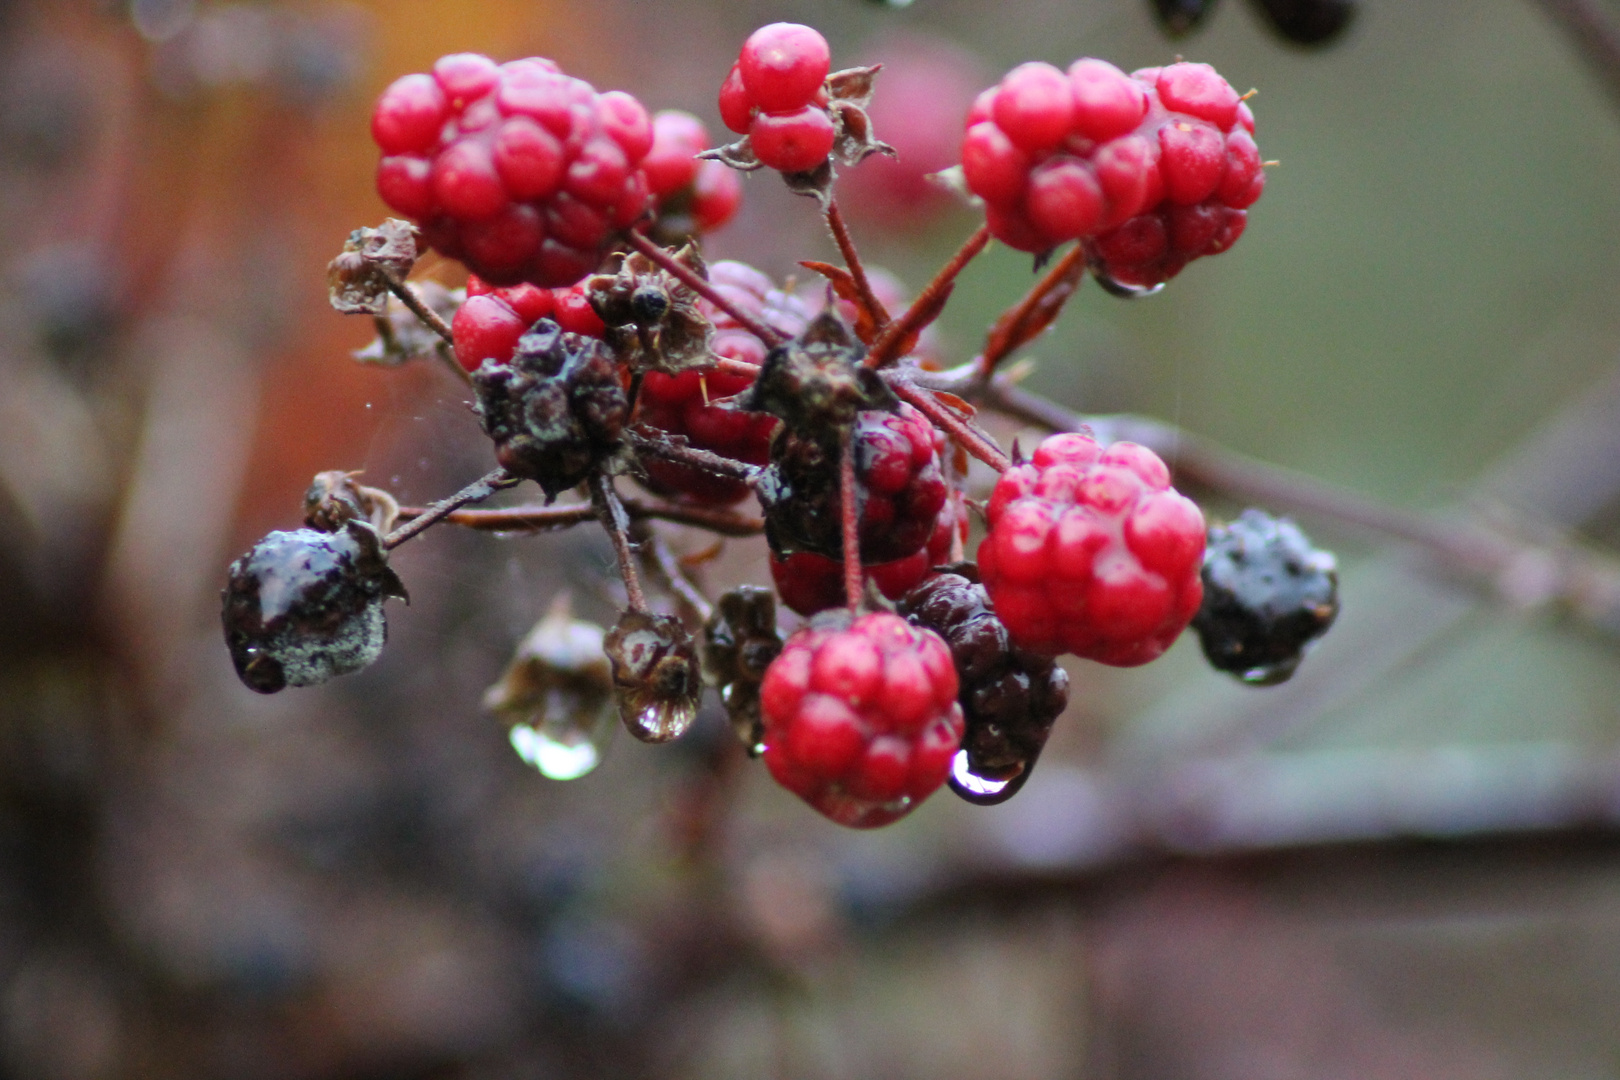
477	491
1038	309
922	311
973	442
850	519
546	518
617	523
857	271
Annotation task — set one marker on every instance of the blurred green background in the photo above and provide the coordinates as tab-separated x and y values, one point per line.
1403	864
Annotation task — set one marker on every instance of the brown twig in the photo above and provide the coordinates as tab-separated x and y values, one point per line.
430	318
852	262
662	565
546	518
683	273
419	521
1035	311
612	514
849	514
927	301
667	448
973	442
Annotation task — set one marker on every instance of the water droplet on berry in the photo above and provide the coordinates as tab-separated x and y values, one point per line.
1123	290
1270	674
984	790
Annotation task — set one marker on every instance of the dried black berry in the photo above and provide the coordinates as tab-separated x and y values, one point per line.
556	412
739	643
1267	594
302	607
1180	17
1307	22
816	383
655	675
1009	698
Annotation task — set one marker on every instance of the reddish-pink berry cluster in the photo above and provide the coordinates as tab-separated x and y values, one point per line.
775	94
862	723
1159	166
518	170
1091	552
707	191
488	324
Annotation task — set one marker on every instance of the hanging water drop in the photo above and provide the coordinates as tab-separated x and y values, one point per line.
557	695
986	790
1124	290
655	675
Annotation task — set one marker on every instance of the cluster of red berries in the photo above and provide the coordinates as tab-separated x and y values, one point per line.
518	170
490	321
1157	168
1092	552
862	722
775	94
529	177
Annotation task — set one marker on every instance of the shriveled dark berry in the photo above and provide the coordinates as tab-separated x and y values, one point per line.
1010	698
1307	22
1180	17
555	412
302	607
899	486
739	642
1267	594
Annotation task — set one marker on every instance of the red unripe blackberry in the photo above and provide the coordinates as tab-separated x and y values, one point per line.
809	583
862	722
794	141
706	192
898	481
1090	551
783	65
1086	154
686	404
518	170
488	325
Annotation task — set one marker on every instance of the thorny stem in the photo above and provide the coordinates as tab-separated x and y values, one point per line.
849	514
973	442
670	450
411	299
662	565
852	262
545	518
1036	310
927	301
617	523
683	273
477	491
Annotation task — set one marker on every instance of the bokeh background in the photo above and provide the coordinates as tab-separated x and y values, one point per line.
1402	864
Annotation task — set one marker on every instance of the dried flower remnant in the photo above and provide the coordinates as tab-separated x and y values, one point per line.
739	643
655	675
373	262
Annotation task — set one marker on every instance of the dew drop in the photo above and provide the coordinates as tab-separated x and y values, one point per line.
985	790
560	753
663	722
1271	674
1123	290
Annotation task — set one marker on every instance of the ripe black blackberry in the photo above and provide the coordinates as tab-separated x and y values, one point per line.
1267	594
302	607
1010	698
557	411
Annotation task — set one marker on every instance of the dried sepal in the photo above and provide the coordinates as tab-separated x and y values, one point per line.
656	680
739	642
556	696
653	321
334	498
402	336
849	94
816	382
738	155
359	279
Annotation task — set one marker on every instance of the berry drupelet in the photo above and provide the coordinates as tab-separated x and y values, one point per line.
861	722
1091	552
